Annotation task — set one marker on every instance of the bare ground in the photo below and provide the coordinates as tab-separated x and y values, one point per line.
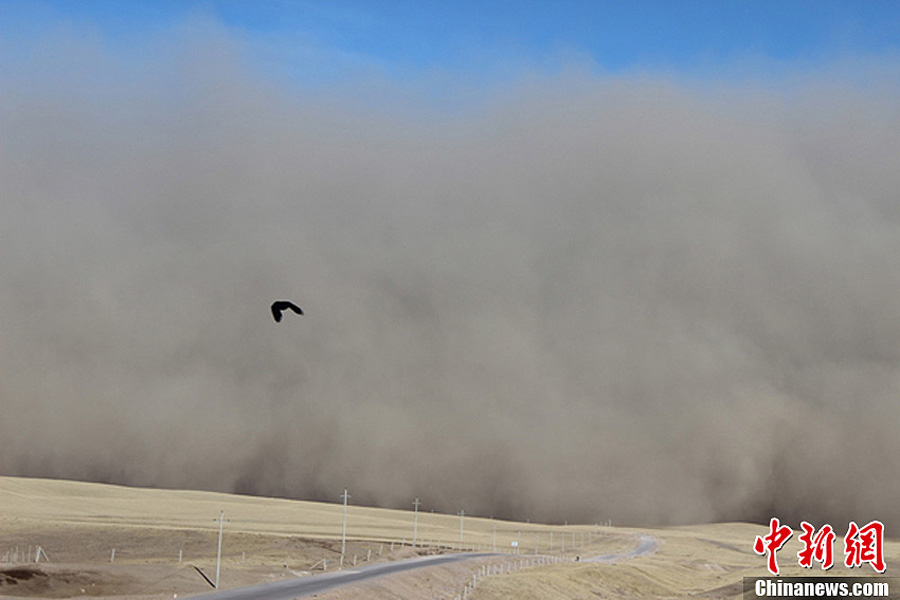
77	526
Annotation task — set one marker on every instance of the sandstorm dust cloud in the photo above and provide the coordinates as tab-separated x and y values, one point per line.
570	297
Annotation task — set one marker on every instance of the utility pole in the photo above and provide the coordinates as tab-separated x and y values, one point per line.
345	496
494	539
416	504
221	520
461	514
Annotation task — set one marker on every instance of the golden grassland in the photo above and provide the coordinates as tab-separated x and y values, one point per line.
77	525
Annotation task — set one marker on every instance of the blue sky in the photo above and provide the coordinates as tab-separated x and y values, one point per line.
653	243
495	39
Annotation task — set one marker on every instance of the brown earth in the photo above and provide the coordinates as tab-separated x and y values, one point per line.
77	525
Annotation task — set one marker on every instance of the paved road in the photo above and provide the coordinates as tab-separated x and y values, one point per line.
307	586
646	545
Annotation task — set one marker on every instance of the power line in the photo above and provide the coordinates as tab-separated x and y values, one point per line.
221	521
416	504
345	496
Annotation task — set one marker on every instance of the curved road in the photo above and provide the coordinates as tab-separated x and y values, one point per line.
307	586
646	545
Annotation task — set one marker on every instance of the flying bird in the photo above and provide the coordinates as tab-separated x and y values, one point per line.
279	306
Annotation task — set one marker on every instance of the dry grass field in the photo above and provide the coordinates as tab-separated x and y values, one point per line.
79	525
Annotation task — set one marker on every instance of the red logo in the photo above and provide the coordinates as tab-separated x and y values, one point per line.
819	547
865	544
770	544
861	545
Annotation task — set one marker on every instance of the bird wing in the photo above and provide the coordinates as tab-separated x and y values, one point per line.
280	306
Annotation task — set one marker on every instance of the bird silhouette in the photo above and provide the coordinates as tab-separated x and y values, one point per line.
279	306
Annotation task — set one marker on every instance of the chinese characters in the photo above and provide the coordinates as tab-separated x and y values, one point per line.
861	545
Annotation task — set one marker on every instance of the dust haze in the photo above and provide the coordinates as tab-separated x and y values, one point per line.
570	296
